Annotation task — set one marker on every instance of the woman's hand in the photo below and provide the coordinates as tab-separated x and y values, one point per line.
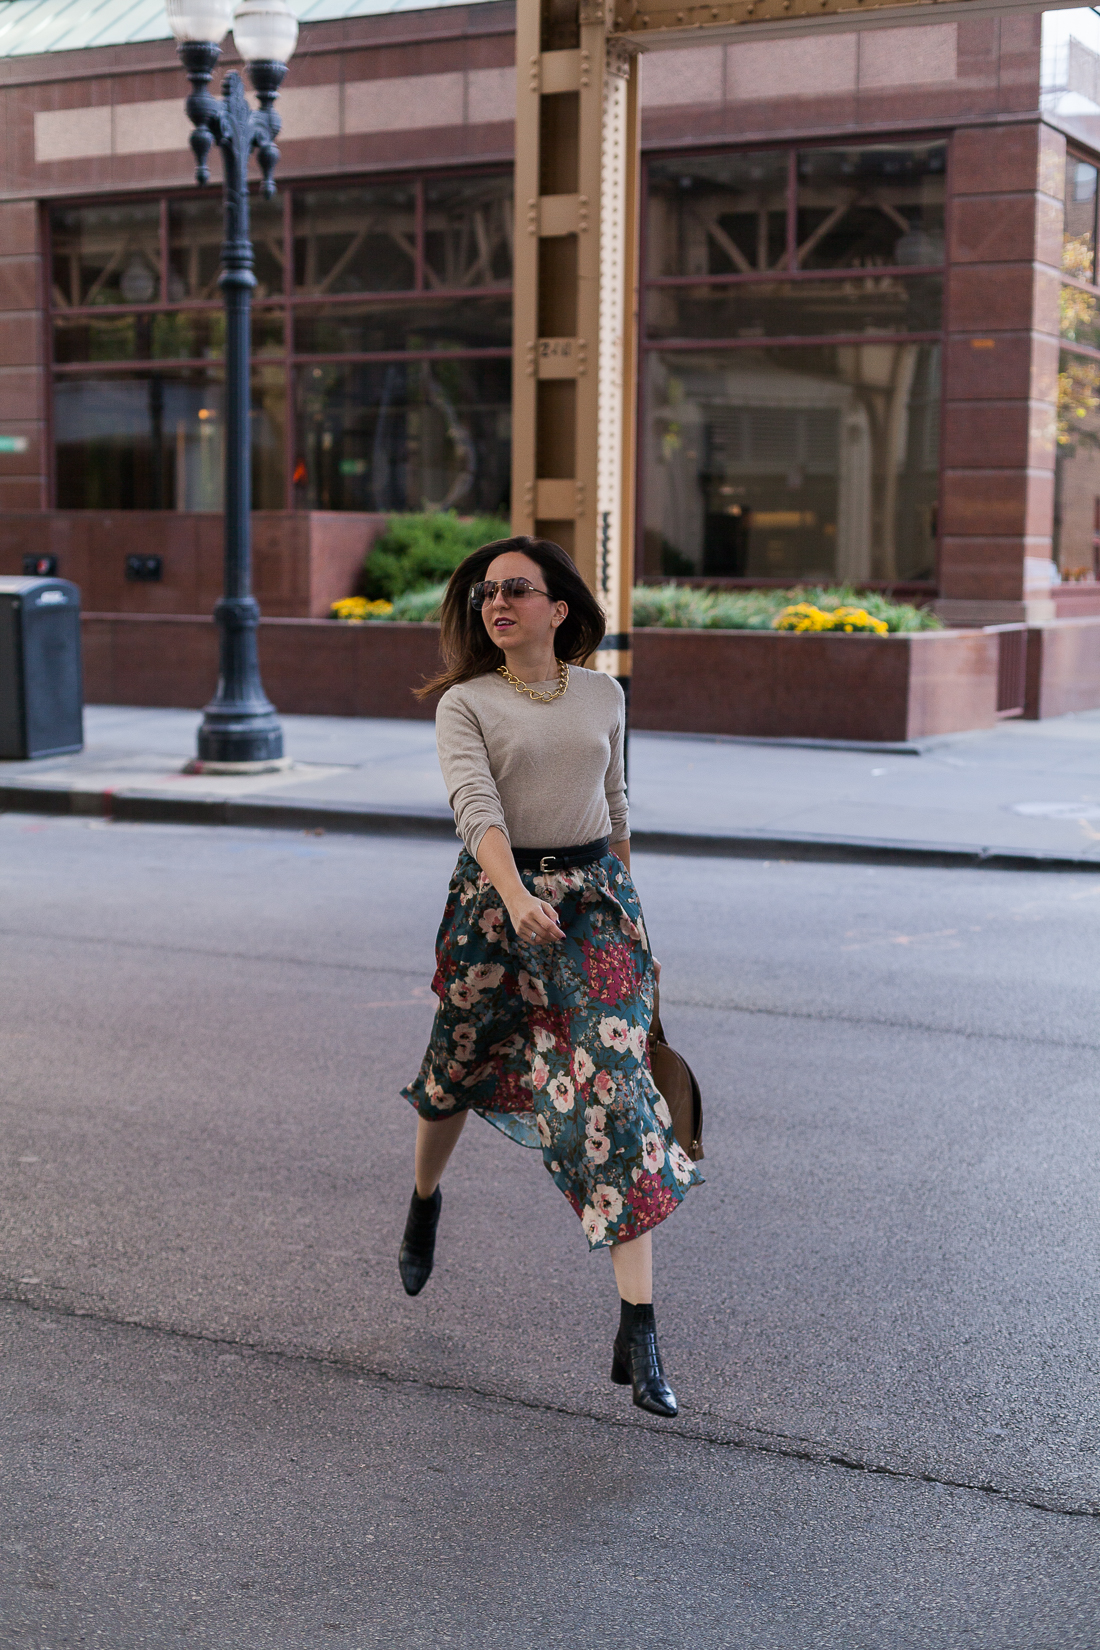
534	920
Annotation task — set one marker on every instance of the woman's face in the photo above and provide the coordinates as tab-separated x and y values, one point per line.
522	621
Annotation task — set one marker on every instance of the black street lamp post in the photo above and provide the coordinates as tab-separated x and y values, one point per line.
240	729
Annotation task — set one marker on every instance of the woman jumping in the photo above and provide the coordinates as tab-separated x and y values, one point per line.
544	974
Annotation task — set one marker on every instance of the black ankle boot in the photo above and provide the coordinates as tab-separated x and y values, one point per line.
418	1245
636	1361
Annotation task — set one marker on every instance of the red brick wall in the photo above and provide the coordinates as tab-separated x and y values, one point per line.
302	561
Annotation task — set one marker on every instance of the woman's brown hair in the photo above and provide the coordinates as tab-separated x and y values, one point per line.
466	646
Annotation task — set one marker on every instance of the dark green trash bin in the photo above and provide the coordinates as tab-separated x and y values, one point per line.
41	686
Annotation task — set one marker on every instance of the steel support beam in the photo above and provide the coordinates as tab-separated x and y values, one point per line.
665	25
575	314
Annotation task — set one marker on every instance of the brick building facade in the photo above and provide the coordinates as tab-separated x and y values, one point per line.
869	310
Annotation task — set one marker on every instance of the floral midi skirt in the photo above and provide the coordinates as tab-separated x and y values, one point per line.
549	1043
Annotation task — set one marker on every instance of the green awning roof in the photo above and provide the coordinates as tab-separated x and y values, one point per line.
29	26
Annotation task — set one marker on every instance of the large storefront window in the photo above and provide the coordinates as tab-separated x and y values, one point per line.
795	464
154	441
1077	464
106	255
1077	468
793	313
396	435
1079	223
385	322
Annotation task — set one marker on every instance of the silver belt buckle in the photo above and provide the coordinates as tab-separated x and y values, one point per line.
548	863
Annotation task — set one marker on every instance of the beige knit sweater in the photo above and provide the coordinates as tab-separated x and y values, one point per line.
548	775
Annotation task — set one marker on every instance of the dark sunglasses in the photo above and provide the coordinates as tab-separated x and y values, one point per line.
510	589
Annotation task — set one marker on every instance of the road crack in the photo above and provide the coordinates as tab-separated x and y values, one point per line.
887	1023
733	1436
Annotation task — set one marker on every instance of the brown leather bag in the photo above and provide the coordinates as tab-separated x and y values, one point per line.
678	1085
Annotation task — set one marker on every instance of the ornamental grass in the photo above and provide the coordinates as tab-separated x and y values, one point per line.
687	607
404	579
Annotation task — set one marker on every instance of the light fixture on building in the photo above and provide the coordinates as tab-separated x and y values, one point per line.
265	31
917	246
138	284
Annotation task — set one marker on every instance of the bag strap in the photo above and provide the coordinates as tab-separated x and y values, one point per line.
656	1029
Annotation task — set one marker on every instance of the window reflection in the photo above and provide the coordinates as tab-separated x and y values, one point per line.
1077	469
155	441
105	254
196	230
866	207
351	329
151	437
797	463
863	303
718	215
468	232
1080	322
173	335
396	436
1079	232
355	240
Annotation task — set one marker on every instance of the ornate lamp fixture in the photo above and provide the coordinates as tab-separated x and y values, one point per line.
240	730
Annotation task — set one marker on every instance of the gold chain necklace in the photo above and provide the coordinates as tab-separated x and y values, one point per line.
540	698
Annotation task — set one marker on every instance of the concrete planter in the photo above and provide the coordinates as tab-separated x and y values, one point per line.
759	684
311	667
782	685
1063	667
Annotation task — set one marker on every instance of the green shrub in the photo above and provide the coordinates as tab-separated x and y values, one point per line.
686	607
419	551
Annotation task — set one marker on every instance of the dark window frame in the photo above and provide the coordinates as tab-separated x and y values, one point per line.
788	273
286	303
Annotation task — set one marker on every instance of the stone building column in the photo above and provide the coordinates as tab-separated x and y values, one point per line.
1001	374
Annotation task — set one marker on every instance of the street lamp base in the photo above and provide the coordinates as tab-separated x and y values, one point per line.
232	737
240	770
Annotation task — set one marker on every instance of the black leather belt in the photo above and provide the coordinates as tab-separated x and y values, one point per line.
547	860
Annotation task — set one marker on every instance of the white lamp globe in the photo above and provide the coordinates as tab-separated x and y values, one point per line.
265	31
199	19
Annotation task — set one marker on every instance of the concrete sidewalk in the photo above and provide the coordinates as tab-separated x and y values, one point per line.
1023	793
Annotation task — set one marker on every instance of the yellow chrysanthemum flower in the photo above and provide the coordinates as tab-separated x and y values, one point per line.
356	609
804	616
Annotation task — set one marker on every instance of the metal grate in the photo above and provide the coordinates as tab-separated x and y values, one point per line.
1011	669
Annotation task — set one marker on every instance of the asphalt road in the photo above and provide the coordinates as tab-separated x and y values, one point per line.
223	1422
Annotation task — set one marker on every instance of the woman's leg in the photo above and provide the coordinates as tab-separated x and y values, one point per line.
636	1358
435	1141
633	1263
